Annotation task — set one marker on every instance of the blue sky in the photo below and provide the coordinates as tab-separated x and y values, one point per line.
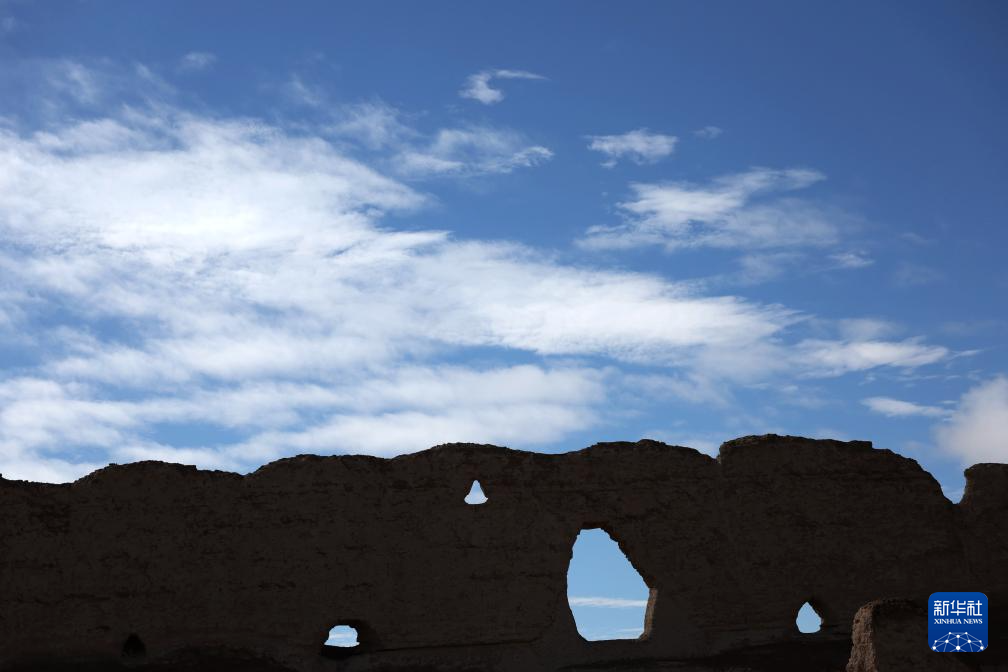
236	232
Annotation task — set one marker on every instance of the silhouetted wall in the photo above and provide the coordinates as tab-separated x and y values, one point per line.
182	564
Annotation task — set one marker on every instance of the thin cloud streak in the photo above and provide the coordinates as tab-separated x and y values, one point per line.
606	602
477	86
708	132
897	408
748	210
640	146
196	61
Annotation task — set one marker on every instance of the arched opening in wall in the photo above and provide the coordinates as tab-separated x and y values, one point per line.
607	596
343	640
808	619
476	495
133	647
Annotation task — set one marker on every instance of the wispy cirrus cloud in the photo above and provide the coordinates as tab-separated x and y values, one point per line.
162	226
374	124
708	132
471	151
640	146
744	210
834	357
607	602
178	269
401	148
195	61
898	408
851	259
477	86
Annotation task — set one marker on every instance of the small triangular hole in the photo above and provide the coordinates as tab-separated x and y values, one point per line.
808	620
476	495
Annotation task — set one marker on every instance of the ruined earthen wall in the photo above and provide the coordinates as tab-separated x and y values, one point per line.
263	565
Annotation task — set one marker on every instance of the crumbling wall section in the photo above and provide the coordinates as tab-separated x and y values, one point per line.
212	563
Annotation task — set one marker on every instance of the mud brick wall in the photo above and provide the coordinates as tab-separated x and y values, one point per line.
199	563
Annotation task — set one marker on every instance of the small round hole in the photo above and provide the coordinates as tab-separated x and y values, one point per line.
133	647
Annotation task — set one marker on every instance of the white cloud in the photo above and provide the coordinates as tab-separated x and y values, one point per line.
208	179
640	146
459	152
73	79
176	269
606	602
851	259
976	431
246	264
897	408
708	132
375	125
832	357
729	212
757	268
477	86
471	151
195	61
303	93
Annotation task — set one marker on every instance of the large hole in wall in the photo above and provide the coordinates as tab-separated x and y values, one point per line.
608	597
808	619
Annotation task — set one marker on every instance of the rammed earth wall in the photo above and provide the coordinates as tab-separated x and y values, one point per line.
168	567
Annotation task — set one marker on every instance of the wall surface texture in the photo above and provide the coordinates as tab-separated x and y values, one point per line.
162	566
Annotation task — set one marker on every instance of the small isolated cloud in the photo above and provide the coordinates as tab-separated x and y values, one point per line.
851	260
708	132
303	93
640	146
749	210
897	408
977	431
830	357
195	61
471	151
607	602
477	86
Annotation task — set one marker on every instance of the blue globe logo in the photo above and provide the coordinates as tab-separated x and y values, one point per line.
958	641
